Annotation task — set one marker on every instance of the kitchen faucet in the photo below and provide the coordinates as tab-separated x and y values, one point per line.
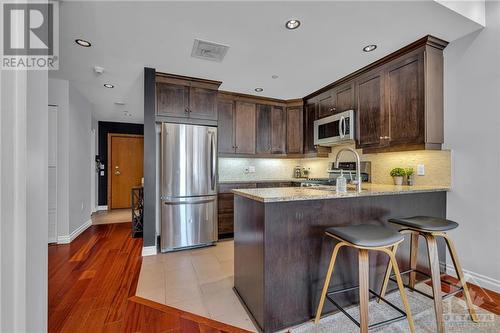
358	165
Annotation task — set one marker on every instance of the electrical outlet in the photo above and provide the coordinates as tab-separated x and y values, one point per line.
251	169
421	170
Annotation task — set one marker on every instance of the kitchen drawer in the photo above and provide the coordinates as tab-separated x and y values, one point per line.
226	203
226	223
227	187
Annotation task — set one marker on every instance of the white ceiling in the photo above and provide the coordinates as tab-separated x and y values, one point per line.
127	36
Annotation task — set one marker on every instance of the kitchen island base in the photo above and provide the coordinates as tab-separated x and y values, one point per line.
281	254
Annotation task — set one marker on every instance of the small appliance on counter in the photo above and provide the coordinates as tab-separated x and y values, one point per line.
297	172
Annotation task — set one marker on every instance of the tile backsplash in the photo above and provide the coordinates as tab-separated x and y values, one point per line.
437	166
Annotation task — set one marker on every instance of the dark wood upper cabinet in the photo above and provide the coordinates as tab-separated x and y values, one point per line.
278	130
172	100
226	143
294	130
270	122
370	109
186	97
344	97
310	115
405	94
326	104
244	127
264	129
398	100
202	103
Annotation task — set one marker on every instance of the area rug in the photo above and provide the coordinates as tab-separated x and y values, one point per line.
456	317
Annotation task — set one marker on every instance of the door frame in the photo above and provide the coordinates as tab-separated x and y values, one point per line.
109	168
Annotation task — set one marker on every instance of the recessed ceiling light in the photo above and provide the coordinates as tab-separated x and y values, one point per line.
83	42
259	89
119	103
292	24
369	48
107	85
275	76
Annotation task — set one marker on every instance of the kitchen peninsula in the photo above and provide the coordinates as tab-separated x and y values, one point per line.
281	254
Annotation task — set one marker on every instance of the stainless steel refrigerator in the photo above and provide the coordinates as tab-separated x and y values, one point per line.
188	186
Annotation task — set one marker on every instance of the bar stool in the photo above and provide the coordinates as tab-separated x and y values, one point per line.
365	237
430	228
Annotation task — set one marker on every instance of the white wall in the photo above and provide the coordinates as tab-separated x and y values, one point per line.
472	126
80	120
74	160
23	206
59	95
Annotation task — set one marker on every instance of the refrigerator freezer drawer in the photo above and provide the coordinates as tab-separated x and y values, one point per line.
188	222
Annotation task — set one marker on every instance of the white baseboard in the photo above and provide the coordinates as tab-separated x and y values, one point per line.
477	279
66	239
149	251
102	208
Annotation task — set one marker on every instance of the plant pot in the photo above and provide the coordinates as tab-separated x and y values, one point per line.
398	180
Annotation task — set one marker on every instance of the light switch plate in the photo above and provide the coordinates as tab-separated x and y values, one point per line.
251	169
420	170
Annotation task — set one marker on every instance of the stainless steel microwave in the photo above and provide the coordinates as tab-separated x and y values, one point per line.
335	129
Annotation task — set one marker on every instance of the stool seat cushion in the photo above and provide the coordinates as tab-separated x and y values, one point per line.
425	223
366	235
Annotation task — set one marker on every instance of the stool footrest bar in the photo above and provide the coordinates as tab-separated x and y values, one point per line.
445	296
372	326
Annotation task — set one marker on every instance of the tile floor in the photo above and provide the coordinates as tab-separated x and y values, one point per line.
112	216
198	281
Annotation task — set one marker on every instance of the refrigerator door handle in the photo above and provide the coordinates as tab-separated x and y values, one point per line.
212	159
184	201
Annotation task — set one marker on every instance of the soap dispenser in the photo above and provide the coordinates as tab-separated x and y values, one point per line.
341	183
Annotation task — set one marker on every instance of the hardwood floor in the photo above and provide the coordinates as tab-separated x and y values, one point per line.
92	284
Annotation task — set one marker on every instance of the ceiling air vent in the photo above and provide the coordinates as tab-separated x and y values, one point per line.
208	50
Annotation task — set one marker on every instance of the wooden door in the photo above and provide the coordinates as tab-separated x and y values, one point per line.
326	104
309	118
245	128
370	113
263	128
202	103
294	130
278	130
344	98
172	100
225	109
125	167
405	91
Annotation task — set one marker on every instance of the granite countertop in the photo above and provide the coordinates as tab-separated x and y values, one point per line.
280	180
328	192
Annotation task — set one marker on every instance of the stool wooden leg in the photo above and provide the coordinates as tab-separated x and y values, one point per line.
388	271
327	280
364	277
402	291
413	259
436	280
460	275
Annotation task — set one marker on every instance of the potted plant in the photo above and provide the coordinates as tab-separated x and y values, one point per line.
409	176
397	175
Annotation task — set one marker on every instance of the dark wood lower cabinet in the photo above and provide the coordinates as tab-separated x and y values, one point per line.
225	201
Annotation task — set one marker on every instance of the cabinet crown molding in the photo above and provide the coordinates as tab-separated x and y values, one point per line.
428	40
